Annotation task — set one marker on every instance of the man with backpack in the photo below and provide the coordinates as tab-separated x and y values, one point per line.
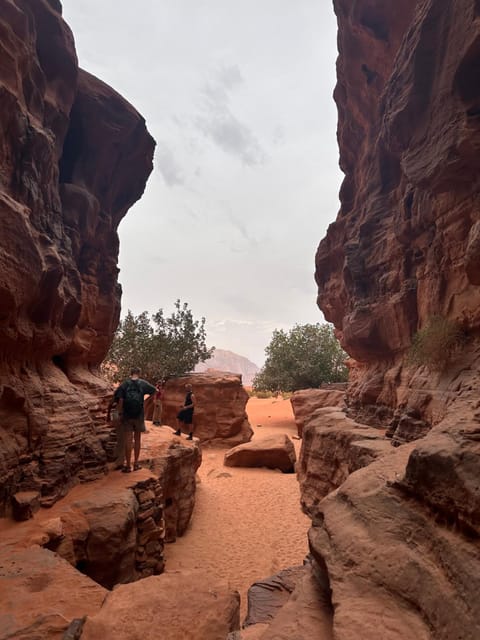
131	394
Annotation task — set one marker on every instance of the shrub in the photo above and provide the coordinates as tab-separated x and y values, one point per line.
436	344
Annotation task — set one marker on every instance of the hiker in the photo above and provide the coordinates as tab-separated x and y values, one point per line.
114	418
131	393
185	415
157	403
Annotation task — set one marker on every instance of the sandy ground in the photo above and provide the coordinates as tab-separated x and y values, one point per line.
247	523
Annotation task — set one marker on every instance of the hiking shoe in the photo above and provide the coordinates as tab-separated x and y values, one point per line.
136	466
177	433
190	436
126	470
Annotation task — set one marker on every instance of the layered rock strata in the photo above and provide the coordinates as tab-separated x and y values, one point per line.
400	535
220	410
307	401
74	156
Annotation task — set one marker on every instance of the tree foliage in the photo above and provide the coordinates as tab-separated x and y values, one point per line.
160	346
305	357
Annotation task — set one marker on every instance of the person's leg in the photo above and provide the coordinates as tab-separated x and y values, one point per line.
178	432
128	448
136	453
190	434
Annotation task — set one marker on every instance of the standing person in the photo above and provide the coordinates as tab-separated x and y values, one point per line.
132	392
185	415
157	404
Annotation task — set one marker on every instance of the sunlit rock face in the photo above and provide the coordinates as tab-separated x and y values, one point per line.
74	156
400	535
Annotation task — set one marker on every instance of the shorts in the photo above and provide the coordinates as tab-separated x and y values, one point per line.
137	425
185	416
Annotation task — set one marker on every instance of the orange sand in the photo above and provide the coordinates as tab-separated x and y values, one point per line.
247	523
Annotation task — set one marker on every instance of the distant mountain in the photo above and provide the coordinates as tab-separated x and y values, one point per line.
223	360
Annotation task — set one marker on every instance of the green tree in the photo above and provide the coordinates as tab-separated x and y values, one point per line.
305	357
160	346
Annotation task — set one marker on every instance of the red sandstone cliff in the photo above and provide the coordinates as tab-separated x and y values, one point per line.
397	541
74	156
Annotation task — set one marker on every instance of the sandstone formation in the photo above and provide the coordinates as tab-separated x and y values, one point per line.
266	597
112	530
300	608
41	593
171	606
399	536
306	401
220	416
333	447
74	156
273	452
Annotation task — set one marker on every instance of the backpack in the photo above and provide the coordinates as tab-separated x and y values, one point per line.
133	400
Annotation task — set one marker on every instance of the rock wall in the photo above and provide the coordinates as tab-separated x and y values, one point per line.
400	535
74	156
405	244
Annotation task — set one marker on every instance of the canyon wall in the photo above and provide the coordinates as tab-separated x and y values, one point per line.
397	542
74	156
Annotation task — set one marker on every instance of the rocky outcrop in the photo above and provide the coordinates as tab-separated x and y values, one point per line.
176	465
399	536
301	608
74	156
274	452
307	401
220	416
41	593
333	447
171	606
266	597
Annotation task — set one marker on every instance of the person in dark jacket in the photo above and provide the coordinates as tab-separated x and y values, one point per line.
185	415
132	393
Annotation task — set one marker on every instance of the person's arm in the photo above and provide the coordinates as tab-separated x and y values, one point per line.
147	388
192	402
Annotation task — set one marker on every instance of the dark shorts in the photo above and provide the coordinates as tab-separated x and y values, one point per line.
137	425
185	416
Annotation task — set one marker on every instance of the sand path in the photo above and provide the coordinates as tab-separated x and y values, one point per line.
247	523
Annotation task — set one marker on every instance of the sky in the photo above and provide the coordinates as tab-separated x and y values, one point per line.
238	96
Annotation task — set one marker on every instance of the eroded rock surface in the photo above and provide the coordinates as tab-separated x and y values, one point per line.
171	606
41	593
220	411
306	401
400	535
333	447
74	156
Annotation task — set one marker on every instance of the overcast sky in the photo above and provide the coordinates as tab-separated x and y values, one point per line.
238	96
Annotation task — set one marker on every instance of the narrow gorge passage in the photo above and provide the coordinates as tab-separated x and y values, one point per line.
247	523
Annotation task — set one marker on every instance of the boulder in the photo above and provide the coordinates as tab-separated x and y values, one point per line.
306	401
273	452
171	606
220	416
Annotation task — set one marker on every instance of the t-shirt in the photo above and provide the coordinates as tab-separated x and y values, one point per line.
145	386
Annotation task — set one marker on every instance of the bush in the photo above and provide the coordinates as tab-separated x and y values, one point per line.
436	344
304	357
